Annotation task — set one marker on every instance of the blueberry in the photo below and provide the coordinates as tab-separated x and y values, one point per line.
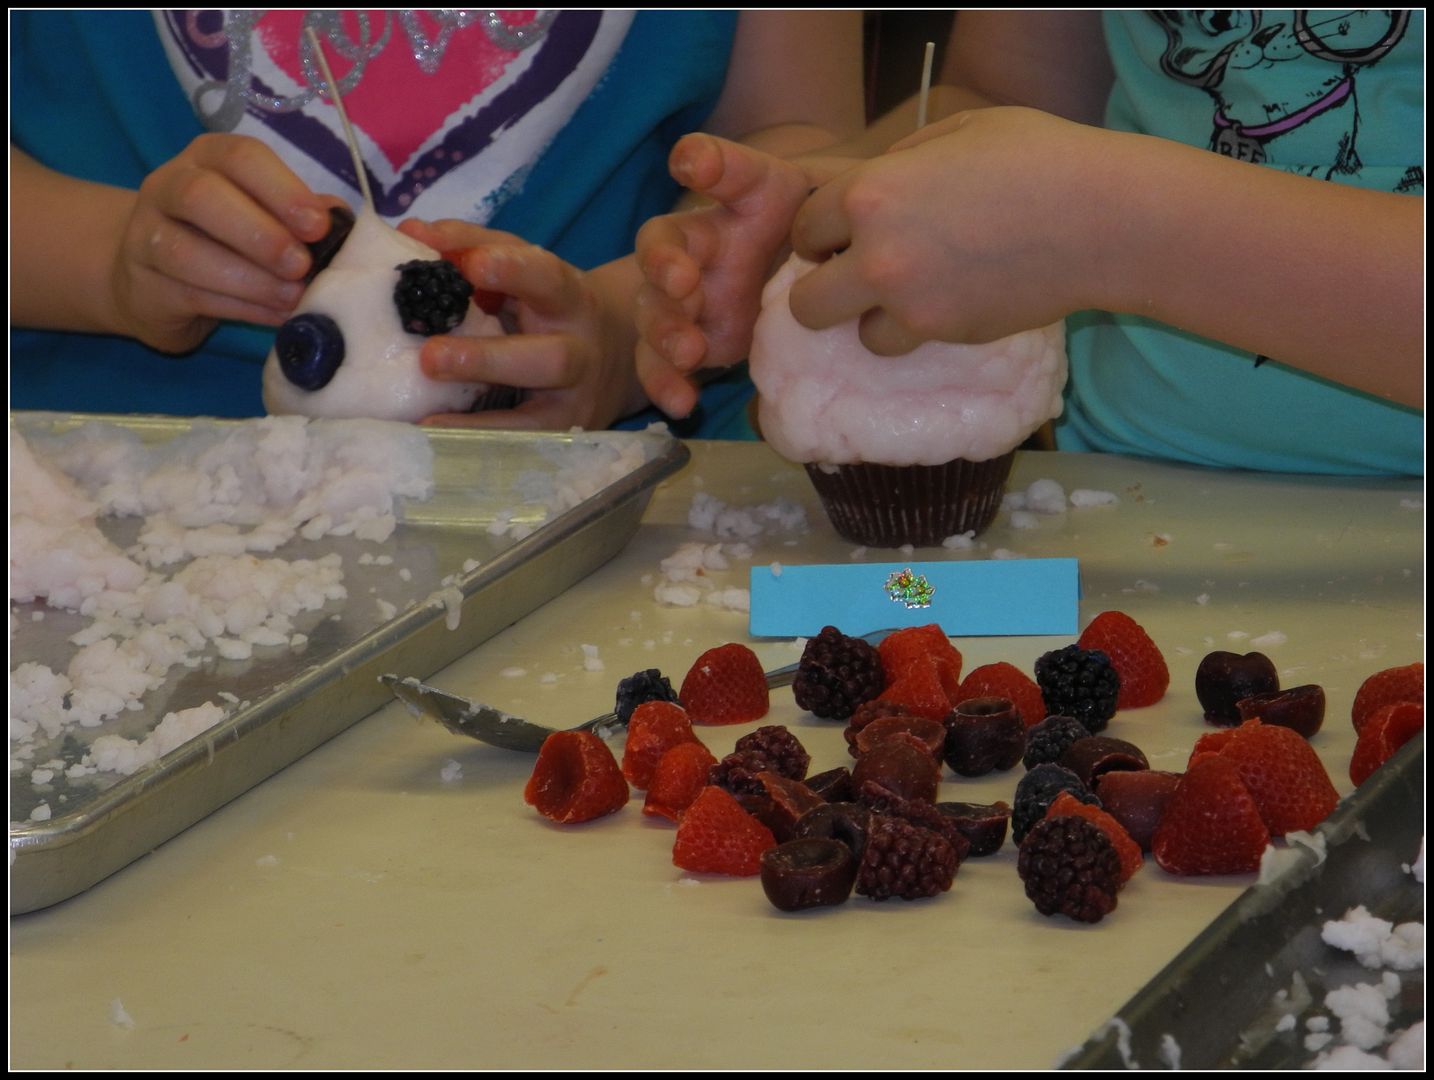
310	348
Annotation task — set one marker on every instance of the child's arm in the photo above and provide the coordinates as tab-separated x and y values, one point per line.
216	233
998	220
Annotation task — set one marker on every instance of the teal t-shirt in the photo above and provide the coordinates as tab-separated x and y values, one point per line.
558	131
1333	95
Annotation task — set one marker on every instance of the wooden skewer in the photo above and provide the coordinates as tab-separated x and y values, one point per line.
343	117
925	85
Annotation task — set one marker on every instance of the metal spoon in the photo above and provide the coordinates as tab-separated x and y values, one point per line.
463	716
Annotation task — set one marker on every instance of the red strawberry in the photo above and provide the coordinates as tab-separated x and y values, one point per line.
1283	774
1386	687
716	836
1211	743
655	728
920	689
679	777
489	301
725	686
1144	678
899	648
1384	732
1007	681
576	778
1128	850
1211	824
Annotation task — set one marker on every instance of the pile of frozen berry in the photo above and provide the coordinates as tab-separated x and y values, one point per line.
1083	814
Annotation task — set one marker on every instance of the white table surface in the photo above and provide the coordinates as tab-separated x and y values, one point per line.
360	911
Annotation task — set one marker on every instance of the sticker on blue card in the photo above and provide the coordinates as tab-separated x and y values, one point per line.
983	598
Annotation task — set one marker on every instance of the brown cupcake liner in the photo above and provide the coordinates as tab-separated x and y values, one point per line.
921	505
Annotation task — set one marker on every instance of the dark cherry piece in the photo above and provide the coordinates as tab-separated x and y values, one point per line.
1136	799
1223	678
787	801
983	824
902	765
1096	755
1300	708
984	735
926	730
847	822
834	785
808	873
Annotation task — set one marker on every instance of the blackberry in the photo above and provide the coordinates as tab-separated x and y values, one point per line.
836	674
904	860
1037	790
784	753
1081	683
641	687
1051	738
431	295
1070	868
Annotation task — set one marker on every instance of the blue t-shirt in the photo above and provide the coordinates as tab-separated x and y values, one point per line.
1332	95
556	129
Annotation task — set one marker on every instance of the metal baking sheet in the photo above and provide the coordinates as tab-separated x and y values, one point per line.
1223	1003
291	702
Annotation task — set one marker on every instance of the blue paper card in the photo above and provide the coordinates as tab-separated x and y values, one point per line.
998	597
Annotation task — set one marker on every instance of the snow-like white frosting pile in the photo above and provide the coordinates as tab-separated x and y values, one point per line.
826	398
380	377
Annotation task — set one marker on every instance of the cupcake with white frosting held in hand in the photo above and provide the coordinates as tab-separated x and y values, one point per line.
901	450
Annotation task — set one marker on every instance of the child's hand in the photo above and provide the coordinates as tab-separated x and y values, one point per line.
218	232
982	226
573	349
704	269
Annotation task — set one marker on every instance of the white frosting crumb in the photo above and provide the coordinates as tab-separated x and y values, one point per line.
960	541
41	812
1270	639
513	672
451	772
591	660
267	860
119	1017
1084	497
1203	599
1023	519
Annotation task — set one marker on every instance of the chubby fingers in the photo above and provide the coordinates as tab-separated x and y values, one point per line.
530	361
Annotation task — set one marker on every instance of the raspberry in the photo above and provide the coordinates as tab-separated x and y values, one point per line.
783	750
1037	790
1007	681
641	686
899	648
1283	774
1069	868
679	777
725	686
919	812
1125	846
904	860
738	771
1080	683
575	779
836	674
919	690
716	836
1384	732
655	728
1049	739
432	296
1144	678
1211	824
1384	688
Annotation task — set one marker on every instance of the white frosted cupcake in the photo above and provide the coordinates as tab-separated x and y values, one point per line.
901	450
345	353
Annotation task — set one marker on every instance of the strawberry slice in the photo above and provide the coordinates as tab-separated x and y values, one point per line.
920	689
1211	824
1144	676
901	647
576	778
1385	731
1385	688
1284	775
678	779
654	728
725	686
716	836
1007	681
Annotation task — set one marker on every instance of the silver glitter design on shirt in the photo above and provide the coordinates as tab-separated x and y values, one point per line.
238	91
